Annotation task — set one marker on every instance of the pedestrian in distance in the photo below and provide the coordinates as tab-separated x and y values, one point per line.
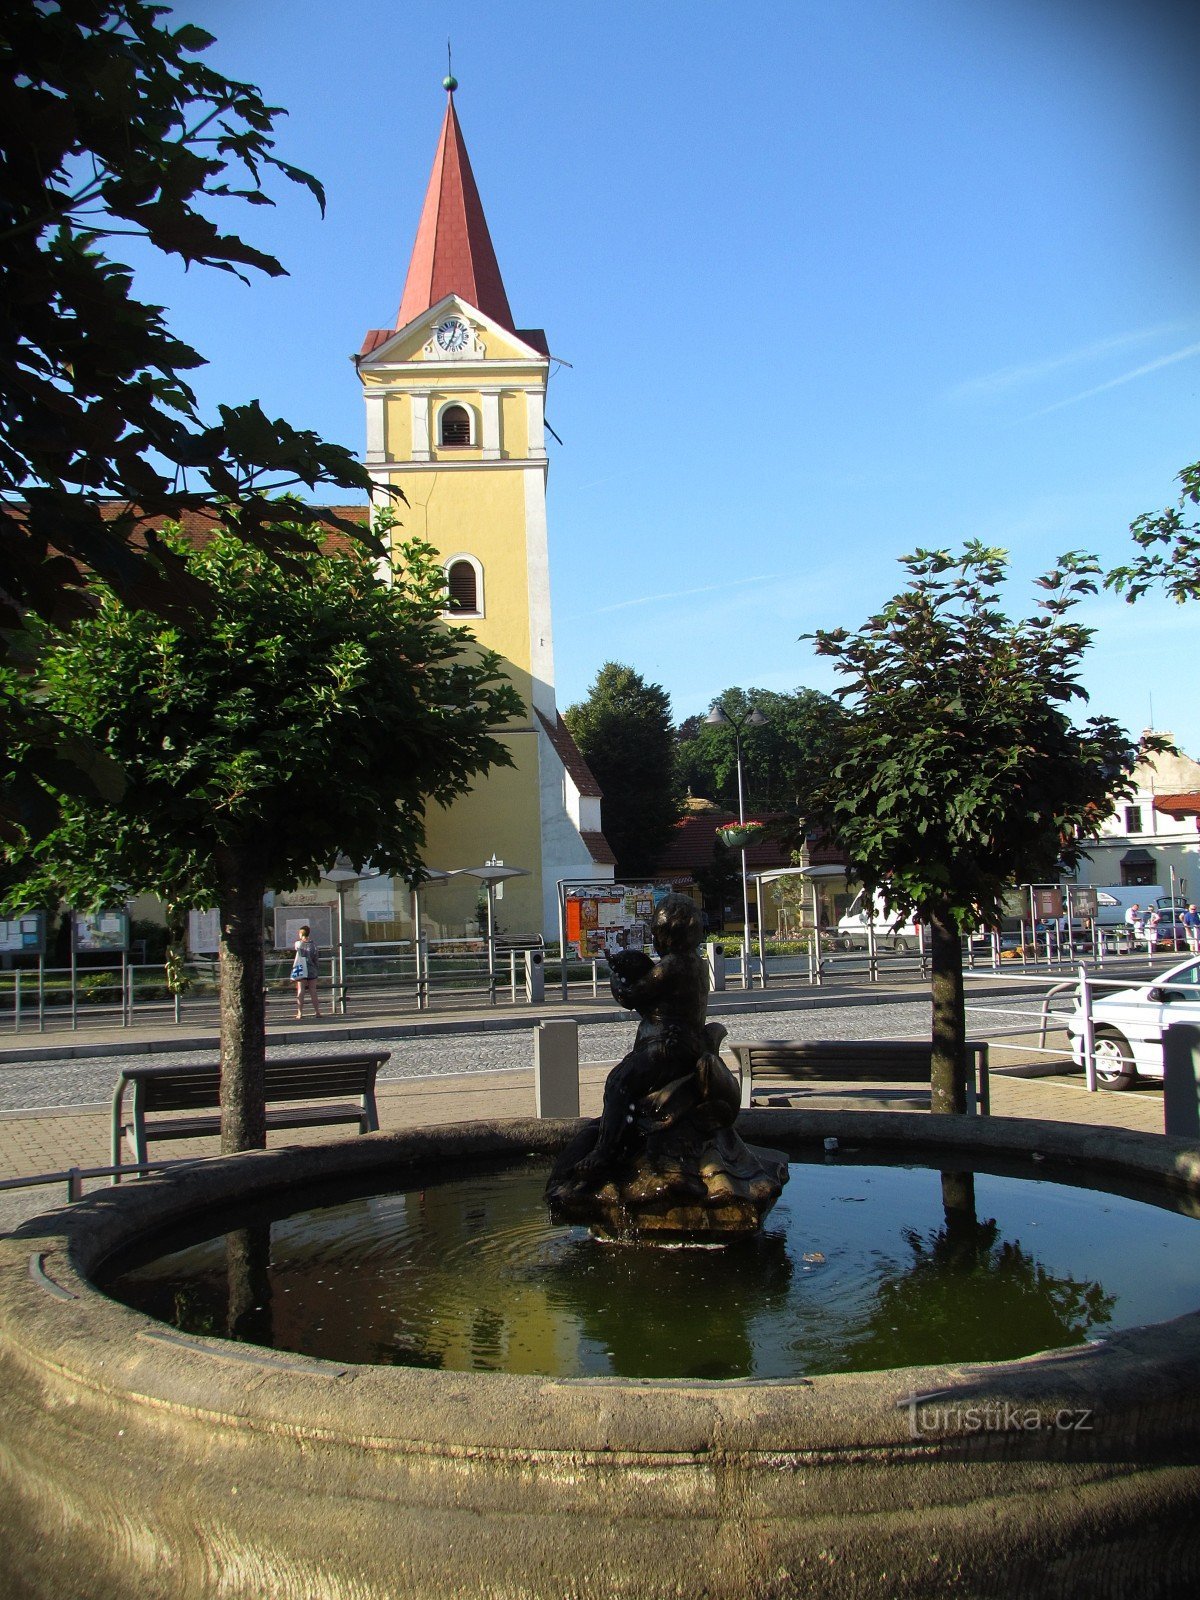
1150	930
1191	929
305	971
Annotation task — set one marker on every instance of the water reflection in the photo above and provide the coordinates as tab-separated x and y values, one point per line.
645	1311
968	1294
862	1267
248	1281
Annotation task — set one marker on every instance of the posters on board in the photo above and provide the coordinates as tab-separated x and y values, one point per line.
290	919
610	916
23	935
204	932
101	930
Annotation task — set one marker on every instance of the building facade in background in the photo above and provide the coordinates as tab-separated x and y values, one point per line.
1152	838
455	399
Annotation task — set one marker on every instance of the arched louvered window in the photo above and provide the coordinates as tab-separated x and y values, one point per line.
456	425
462	581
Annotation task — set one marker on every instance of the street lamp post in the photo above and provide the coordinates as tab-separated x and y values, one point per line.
341	875
720	718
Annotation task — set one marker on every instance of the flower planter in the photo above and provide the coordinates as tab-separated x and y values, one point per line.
742	838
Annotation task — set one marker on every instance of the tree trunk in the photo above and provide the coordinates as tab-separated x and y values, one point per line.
948	1084
243	1006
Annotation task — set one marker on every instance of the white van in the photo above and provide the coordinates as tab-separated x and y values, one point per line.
894	930
1113	901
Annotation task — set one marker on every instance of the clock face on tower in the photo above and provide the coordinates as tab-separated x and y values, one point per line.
451	335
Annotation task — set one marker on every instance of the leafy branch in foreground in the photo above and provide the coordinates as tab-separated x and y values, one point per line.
111	126
1169	549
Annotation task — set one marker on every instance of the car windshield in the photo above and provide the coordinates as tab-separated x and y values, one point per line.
1183	975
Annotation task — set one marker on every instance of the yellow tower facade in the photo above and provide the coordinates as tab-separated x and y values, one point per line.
455	398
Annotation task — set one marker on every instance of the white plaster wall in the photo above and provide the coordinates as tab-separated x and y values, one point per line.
564	854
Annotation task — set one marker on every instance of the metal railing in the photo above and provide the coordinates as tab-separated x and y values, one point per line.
73	1176
1081	991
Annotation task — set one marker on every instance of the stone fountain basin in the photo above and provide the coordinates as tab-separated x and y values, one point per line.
135	1460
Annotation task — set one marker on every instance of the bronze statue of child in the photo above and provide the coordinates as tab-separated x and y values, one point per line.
671	1043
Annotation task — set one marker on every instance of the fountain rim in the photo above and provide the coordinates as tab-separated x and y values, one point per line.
56	1324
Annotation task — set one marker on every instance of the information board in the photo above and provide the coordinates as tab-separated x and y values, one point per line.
204	932
101	930
290	919
1083	902
23	935
600	917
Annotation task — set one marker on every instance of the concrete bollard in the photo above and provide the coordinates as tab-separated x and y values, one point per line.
716	967
1181	1080
556	1068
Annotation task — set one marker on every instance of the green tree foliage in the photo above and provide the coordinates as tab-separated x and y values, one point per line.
317	713
111	127
781	761
959	771
624	732
1168	548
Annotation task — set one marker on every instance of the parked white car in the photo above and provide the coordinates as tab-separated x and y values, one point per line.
1128	1025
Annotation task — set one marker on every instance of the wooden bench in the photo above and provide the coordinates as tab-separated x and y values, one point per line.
809	1061
196	1090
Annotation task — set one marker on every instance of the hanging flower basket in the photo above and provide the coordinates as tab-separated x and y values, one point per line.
741	835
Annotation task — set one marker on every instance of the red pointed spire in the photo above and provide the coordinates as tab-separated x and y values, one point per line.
453	253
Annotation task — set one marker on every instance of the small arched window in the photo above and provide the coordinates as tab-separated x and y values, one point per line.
455	425
462	581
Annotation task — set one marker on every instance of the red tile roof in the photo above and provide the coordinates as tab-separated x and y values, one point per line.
197	523
1178	805
695	838
568	753
691	849
373	338
453	253
599	849
582	777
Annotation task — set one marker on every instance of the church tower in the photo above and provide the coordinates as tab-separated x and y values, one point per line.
455	396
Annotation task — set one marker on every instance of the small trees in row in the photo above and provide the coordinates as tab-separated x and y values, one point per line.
959	770
317	712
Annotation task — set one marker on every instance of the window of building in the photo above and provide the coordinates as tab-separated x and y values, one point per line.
1133	819
464	586
455	426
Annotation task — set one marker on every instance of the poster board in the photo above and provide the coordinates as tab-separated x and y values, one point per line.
290	919
204	932
23	935
101	930
599	917
1083	902
377	899
1048	903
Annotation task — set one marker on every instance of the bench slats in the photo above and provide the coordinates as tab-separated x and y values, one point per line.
808	1061
314	1091
297	1117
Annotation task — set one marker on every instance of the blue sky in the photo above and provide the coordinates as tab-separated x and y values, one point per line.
835	279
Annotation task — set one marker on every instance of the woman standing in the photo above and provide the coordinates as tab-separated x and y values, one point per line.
305	972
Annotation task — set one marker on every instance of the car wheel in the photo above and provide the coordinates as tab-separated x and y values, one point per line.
1114	1060
846	942
900	946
